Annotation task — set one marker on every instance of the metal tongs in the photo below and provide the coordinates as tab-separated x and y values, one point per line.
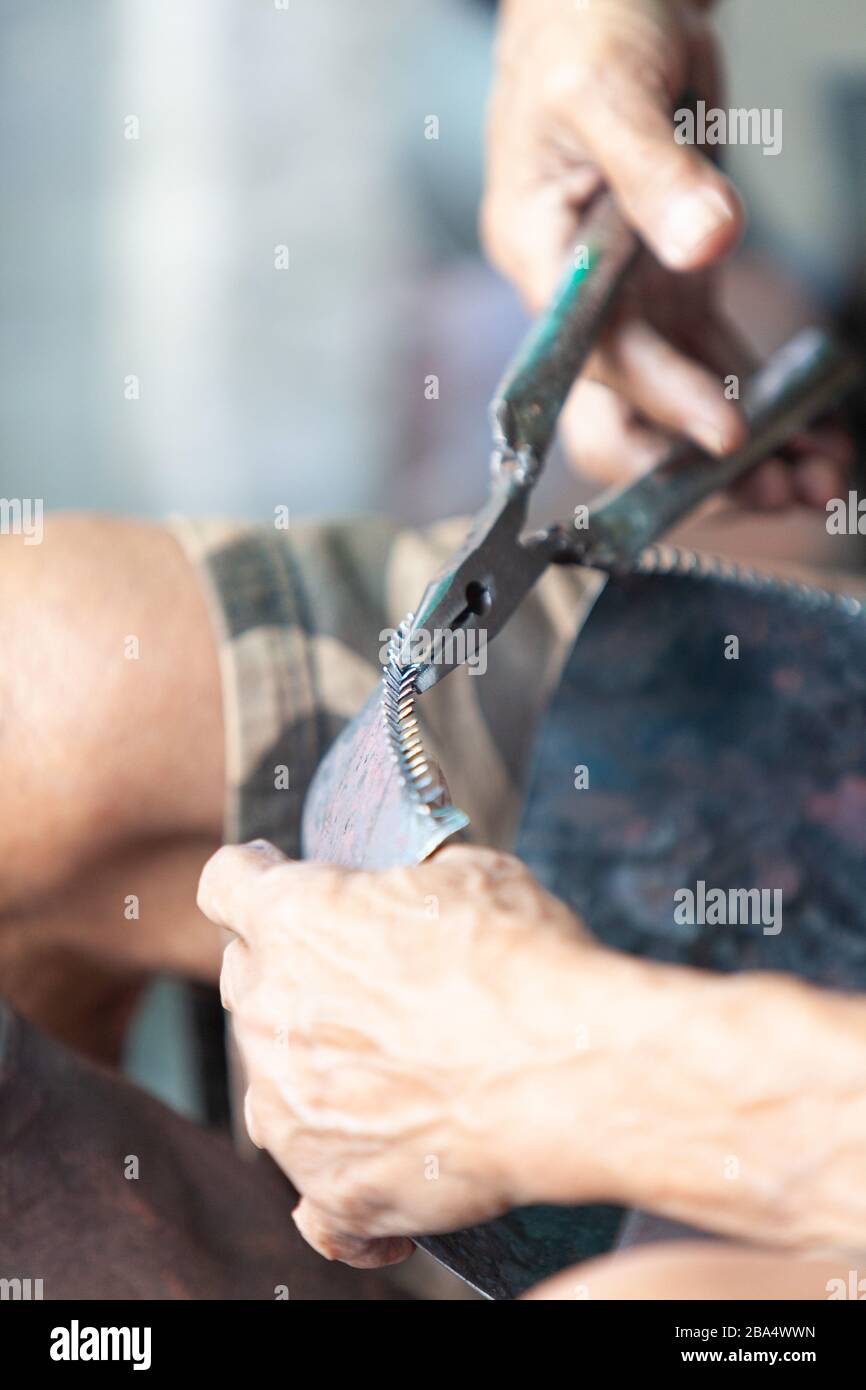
492	571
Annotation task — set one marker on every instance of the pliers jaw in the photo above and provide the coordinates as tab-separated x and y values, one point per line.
494	569
474	595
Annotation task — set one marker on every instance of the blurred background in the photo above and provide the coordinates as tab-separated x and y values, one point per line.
157	152
230	257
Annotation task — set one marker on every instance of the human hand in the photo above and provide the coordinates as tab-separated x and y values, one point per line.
582	99
428	1047
389	1024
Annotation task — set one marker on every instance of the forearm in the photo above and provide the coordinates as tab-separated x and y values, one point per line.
735	1103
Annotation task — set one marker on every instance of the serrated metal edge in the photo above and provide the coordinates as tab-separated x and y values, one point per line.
417	774
670	559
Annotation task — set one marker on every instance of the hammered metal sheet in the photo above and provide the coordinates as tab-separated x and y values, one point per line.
742	773
358	812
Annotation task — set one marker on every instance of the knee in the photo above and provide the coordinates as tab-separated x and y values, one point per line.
110	712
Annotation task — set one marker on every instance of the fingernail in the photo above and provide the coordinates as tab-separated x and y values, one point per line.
224	994
266	850
708	436
690	219
248	1121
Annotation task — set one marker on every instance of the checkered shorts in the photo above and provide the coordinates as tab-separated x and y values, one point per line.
301	616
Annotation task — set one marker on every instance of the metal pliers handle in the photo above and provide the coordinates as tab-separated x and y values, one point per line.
491	572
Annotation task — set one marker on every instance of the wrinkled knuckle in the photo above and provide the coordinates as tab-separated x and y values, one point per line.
329	879
307	1072
572	81
494	864
336	895
290	884
264	888
356	1202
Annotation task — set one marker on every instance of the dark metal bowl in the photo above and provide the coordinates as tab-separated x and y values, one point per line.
741	773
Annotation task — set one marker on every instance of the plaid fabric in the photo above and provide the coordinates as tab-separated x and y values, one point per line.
300	616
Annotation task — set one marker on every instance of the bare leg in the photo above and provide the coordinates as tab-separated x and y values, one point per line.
111	765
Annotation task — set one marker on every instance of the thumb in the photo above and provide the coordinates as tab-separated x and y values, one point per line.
228	878
319	1230
683	207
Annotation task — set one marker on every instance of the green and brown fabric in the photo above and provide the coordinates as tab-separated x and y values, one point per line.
301	616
